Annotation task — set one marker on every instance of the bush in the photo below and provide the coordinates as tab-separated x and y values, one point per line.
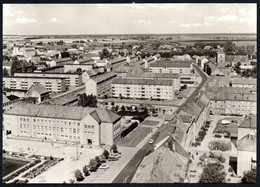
85	170
106	154
249	177
197	144
113	149
78	175
222	146
93	165
230	169
72	181
202	133
98	161
199	139
221	159
217	136
129	129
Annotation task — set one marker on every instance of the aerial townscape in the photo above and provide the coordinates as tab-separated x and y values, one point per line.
125	107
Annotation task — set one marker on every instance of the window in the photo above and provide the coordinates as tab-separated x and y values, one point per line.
34	120
21	125
61	129
78	124
74	130
77	130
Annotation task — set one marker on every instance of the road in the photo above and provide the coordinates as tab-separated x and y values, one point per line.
127	174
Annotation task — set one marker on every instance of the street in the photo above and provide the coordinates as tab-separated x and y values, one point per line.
127	174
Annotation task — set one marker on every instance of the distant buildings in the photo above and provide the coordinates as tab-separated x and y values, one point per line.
88	126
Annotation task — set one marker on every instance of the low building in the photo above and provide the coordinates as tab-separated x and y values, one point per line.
73	80
39	92
74	67
143	89
171	67
61	61
233	60
247	158
89	126
53	84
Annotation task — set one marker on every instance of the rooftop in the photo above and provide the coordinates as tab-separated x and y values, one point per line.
178	64
154	75
62	112
143	82
249	121
247	143
244	81
33	77
38	88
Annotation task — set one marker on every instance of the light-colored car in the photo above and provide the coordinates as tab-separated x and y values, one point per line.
116	155
104	166
151	141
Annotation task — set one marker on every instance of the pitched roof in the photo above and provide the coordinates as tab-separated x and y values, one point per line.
178	64
247	143
5	99
143	82
121	69
62	112
38	88
236	58
249	121
186	118
244	81
154	75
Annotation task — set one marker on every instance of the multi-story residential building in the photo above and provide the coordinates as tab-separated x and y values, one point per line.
100	85
72	79
158	76
232	100
53	84
171	67
246	146
143	89
89	126
243	82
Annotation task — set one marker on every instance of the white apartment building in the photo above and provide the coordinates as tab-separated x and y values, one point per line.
89	126
100	85
171	67
143	89
53	84
73	80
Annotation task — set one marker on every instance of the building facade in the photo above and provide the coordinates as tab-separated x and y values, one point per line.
171	67
89	126
52	84
143	89
72	79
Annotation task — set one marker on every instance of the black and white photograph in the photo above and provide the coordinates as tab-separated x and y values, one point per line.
128	93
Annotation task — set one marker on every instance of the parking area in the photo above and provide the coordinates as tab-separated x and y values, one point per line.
135	137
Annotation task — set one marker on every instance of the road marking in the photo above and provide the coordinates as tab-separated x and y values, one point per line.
126	179
138	163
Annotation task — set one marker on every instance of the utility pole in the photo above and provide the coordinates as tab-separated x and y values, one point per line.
76	151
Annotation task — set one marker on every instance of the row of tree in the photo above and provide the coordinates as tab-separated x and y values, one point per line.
87	100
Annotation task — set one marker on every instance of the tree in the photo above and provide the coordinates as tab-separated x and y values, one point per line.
106	153
78	175
112	103
79	71
24	69
249	177
93	165
213	173
72	181
98	161
5	72
85	170
123	108
114	148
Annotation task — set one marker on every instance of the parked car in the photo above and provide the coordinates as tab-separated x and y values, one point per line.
104	166
112	159
116	155
151	141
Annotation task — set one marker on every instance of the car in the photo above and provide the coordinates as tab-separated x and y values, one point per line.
151	141
112	159
116	155
104	166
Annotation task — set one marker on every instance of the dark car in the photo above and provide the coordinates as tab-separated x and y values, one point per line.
112	159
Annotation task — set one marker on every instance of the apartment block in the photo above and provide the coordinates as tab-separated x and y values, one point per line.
143	89
72	79
171	67
52	84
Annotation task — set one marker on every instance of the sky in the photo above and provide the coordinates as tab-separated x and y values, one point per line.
48	19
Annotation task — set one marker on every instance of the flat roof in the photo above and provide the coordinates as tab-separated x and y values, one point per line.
185	64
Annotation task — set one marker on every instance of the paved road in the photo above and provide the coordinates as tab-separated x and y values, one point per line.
127	174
